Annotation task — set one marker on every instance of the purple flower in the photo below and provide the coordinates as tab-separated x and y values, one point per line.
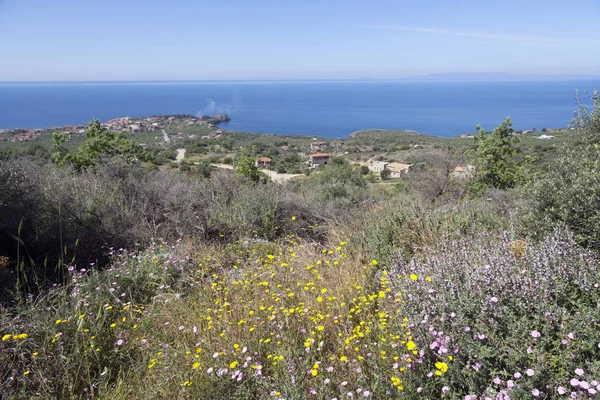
579	371
575	382
535	334
445	389
535	392
530	372
584	385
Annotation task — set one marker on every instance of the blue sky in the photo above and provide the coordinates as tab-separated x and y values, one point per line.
293	39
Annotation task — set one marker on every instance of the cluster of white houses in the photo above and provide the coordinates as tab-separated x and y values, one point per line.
319	159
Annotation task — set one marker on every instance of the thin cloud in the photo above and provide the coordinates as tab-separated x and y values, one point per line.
485	36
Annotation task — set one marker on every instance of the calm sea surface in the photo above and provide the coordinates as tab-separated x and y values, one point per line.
330	109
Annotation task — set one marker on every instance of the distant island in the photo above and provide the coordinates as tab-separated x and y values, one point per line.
499	77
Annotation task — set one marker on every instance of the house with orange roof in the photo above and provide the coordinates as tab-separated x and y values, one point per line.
318	159
263	162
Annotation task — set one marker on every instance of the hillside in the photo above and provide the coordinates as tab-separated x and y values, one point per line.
472	274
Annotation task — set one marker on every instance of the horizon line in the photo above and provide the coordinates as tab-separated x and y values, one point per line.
460	76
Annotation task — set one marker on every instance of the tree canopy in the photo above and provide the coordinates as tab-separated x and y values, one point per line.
493	157
100	142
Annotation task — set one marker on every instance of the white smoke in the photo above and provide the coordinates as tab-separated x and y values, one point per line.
212	107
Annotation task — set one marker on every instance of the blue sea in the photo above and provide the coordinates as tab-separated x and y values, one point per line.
328	109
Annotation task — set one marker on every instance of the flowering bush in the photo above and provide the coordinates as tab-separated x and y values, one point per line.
518	319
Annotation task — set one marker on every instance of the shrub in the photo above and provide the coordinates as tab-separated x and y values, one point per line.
385	174
338	182
75	216
508	317
569	193
407	224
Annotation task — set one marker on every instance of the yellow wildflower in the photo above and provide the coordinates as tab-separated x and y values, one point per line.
442	366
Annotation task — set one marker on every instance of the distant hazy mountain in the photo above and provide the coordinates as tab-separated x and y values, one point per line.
498	76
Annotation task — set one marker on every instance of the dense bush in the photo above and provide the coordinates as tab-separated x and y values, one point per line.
510	318
64	214
339	182
406	224
569	193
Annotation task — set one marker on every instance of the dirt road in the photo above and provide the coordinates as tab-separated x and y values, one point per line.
275	177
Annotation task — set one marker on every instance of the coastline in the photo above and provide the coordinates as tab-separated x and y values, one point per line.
158	122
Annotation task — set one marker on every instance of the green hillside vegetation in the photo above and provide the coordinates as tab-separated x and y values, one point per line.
124	274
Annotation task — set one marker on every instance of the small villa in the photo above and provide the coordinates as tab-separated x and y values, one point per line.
263	162
399	169
378	166
319	159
